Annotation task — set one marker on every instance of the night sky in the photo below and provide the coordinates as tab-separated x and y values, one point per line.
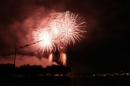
106	43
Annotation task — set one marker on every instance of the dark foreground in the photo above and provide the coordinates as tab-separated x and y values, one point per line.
36	81
102	81
66	81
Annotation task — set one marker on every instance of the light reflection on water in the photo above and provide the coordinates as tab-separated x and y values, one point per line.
101	81
81	81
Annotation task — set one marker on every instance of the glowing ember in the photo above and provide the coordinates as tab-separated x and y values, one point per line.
63	58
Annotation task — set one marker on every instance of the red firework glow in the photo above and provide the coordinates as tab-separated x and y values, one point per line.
63	29
63	58
47	41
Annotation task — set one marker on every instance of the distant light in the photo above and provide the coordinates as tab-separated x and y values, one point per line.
127	74
93	74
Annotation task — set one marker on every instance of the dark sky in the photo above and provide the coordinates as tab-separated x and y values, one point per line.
106	43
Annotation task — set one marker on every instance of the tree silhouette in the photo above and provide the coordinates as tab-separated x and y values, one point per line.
58	69
6	69
33	71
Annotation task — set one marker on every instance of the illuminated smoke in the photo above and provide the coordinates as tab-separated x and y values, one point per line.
50	58
62	29
24	60
63	58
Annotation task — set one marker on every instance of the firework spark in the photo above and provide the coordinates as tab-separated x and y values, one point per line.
64	28
67	27
47	42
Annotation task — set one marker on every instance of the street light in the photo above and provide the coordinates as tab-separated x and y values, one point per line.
23	47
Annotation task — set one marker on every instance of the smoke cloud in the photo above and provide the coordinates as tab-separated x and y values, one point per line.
18	23
23	60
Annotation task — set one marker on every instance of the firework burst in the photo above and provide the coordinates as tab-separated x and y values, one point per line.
74	28
63	29
47	42
67	28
